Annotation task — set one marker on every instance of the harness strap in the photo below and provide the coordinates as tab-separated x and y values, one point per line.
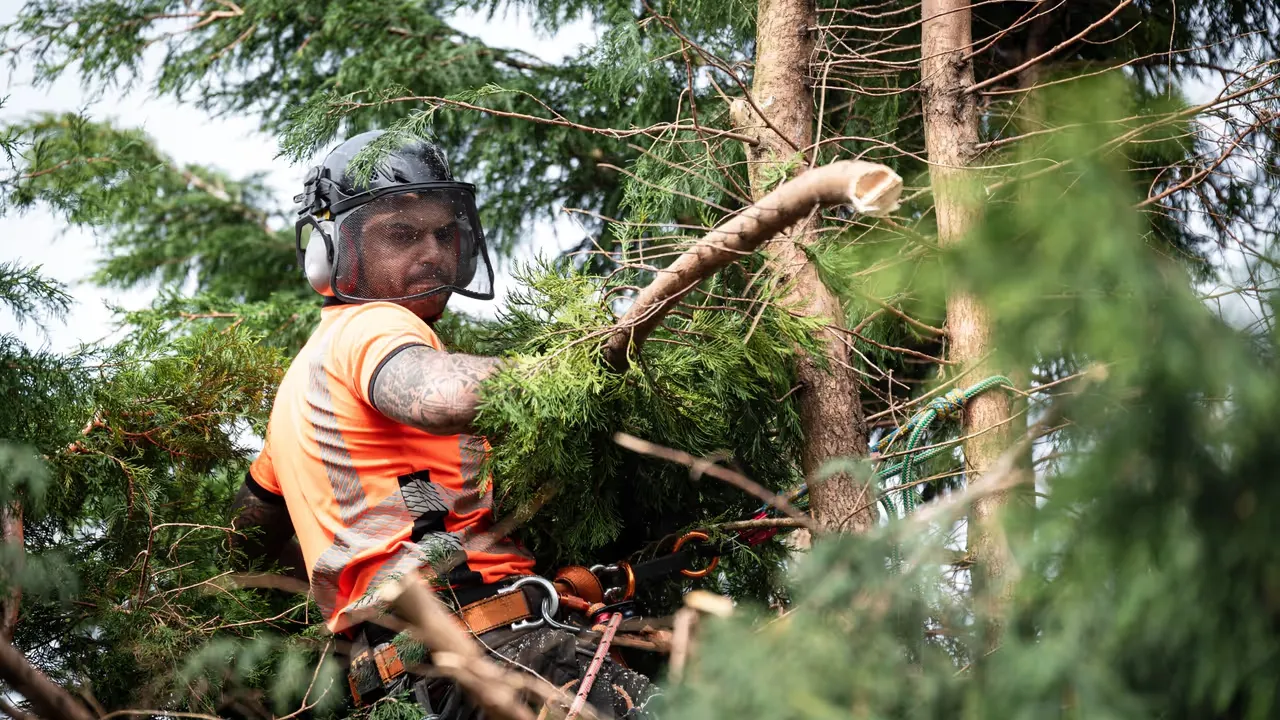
664	565
494	612
581	582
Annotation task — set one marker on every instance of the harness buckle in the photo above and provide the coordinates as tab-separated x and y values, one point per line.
550	604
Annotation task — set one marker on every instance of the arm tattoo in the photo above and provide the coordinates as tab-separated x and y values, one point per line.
264	532
431	390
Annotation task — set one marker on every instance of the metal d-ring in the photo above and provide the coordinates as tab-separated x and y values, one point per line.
549	617
550	604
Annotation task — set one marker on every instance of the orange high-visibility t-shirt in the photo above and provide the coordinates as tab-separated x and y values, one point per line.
372	499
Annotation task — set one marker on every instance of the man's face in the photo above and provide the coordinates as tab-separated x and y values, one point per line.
408	244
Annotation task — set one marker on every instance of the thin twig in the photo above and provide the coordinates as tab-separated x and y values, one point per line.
698	466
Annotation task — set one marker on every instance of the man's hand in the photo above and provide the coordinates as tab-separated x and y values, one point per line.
264	533
431	390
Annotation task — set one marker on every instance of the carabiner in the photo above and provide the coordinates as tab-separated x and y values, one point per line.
550	604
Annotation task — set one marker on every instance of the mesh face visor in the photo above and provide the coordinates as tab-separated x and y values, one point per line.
418	241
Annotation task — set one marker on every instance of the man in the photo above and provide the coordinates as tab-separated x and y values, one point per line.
367	455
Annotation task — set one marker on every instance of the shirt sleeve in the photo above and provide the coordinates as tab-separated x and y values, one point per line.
373	334
261	478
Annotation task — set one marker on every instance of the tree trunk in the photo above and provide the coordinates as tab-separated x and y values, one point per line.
951	136
11	531
830	410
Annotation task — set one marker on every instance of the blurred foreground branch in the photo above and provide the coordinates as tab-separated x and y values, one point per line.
46	698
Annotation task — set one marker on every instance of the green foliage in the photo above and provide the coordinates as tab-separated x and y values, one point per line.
1145	566
131	454
705	383
136	505
1147	587
283	321
28	295
163	221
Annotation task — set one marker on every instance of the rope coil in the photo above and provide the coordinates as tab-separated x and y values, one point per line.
947	407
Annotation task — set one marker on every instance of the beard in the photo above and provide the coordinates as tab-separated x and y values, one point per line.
429	308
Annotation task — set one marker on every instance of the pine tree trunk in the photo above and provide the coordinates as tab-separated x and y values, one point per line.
951	136
830	410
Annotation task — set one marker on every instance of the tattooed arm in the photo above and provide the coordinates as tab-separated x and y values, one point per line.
264	532
432	390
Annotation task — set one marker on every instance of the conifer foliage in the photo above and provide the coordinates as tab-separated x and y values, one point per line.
1112	188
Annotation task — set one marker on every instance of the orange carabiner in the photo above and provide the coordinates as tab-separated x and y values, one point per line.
700	537
630	591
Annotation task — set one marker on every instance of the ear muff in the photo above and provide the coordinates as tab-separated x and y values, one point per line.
317	263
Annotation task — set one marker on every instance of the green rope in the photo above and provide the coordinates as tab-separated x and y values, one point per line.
948	406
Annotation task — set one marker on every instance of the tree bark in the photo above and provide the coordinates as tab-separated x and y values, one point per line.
830	410
11	529
951	137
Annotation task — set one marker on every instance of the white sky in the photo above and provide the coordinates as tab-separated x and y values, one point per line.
189	135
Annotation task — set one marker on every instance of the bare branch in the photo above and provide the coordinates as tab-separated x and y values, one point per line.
1050	52
698	466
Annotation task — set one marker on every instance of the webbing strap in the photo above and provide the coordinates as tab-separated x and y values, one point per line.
675	562
579	581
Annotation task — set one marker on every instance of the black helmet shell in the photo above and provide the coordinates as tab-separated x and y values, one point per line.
413	162
333	180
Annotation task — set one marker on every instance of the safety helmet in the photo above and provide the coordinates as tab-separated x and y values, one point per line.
409	232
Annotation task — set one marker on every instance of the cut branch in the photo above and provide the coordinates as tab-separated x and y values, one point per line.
870	188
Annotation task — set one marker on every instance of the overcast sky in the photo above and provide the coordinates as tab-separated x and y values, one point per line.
231	144
189	135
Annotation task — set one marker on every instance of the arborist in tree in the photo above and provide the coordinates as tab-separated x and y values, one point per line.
367	457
